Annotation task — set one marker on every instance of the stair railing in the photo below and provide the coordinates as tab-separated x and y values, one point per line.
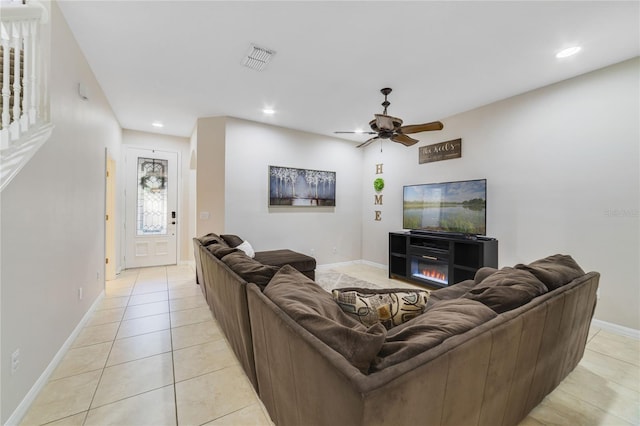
24	105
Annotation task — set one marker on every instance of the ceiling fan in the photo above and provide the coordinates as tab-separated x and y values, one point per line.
387	127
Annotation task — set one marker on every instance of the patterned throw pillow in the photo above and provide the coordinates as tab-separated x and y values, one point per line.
390	308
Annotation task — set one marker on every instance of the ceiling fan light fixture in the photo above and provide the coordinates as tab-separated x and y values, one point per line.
387	122
257	57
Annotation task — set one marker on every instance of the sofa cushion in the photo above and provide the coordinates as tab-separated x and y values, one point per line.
441	321
211	238
220	250
483	273
314	309
390	307
232	240
451	292
554	271
507	289
249	269
299	261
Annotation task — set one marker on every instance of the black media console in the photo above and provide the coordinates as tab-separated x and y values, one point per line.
439	260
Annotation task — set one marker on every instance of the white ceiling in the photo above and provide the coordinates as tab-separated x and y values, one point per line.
175	61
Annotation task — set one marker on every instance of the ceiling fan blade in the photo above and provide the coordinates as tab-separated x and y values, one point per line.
417	128
358	133
403	139
367	142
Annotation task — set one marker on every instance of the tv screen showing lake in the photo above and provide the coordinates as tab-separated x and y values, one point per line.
451	206
452	219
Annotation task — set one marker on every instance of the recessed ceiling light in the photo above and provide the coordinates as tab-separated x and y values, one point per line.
569	51
269	111
157	124
359	131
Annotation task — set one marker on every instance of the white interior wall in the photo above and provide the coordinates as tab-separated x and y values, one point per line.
250	149
132	138
52	221
562	165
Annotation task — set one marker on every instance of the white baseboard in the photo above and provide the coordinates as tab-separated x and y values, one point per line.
336	265
30	397
616	329
374	264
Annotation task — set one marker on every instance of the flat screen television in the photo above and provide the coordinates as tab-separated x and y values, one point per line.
452	207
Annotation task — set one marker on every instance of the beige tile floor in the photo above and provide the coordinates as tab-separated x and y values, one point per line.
152	355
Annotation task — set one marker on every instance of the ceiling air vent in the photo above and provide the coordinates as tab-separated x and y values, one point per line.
258	57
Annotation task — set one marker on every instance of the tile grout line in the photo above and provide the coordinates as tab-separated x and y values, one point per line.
613	357
593	406
173	358
108	355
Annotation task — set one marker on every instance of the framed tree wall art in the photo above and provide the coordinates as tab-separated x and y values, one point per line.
301	187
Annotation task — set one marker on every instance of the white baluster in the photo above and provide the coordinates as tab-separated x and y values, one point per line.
26	80
17	85
33	91
6	89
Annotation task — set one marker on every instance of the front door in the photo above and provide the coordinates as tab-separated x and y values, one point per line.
151	207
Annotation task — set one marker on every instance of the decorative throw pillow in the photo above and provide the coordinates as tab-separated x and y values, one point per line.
211	238
554	271
232	240
389	307
247	249
220	251
507	289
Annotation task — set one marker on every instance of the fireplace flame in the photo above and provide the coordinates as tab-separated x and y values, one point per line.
437	275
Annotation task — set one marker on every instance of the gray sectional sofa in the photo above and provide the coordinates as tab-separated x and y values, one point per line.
484	352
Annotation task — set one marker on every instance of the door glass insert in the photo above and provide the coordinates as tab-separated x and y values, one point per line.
152	197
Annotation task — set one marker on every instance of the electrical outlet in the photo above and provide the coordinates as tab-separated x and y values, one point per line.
335	250
98	275
15	360
79	293
312	252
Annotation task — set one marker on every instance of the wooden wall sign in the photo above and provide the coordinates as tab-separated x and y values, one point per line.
440	151
378	185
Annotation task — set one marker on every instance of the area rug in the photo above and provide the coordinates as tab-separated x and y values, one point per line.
330	279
